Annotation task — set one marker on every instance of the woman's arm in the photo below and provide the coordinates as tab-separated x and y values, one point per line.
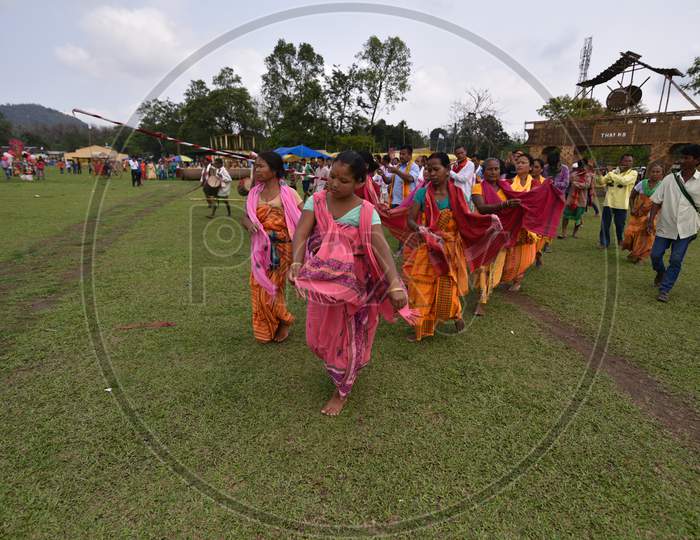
249	225
484	208
413	217
382	253
301	235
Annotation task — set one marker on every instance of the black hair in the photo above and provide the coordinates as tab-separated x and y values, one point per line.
386	157
358	166
623	156
442	156
274	161
691	150
219	160
407	147
528	156
372	165
553	161
540	161
460	146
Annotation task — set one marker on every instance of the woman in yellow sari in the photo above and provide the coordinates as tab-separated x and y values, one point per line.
272	212
489	198
521	256
437	269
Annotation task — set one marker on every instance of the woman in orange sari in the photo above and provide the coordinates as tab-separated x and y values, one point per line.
637	239
489	198
436	271
521	256
272	212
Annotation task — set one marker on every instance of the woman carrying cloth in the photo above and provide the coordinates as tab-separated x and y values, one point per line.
446	233
489	198
522	255
344	266
272	212
637	239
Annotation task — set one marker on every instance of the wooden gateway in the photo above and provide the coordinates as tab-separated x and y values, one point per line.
663	132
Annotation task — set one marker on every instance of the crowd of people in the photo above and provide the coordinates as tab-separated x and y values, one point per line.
465	225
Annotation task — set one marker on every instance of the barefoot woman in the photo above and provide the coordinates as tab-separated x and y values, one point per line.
348	275
272	212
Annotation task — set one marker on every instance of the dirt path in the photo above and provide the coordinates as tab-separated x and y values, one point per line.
645	392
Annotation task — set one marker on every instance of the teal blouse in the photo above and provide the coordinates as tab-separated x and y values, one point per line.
351	218
419	197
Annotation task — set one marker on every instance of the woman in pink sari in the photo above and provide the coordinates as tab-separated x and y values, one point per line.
344	266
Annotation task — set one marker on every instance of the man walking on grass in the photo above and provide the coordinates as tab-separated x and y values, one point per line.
619	183
677	201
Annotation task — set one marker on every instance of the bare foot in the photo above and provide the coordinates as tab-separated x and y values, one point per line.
515	287
282	333
480	309
334	405
459	325
411	338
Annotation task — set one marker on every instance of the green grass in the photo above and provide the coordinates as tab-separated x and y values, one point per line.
427	426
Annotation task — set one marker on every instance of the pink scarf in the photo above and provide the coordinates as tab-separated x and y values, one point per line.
260	241
329	274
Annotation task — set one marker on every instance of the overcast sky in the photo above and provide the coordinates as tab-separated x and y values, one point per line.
107	56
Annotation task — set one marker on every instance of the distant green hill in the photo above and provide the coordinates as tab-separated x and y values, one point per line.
28	116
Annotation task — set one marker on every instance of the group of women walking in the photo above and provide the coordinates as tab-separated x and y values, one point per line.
333	250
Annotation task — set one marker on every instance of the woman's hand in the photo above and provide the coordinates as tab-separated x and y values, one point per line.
294	272
252	228
513	203
398	298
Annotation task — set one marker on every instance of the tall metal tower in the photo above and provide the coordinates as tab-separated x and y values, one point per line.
585	60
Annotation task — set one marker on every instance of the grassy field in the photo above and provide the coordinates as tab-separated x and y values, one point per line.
206	433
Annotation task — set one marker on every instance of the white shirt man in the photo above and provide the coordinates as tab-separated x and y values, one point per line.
322	173
401	175
463	172
133	164
677	205
205	173
225	188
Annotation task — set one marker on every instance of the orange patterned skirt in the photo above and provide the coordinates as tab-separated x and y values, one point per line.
269	313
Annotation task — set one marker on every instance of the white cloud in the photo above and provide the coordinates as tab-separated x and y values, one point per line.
139	42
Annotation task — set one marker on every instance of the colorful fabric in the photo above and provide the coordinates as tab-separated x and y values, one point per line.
270	309
575	214
434	293
346	293
519	258
260	241
578	193
636	239
488	277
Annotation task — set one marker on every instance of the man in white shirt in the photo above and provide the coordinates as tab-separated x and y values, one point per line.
463	172
402	179
224	188
677	201
135	171
321	174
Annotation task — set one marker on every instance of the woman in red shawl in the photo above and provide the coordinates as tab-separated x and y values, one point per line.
346	270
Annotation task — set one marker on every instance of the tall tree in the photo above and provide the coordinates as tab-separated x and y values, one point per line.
563	107
293	98
694	73
5	130
342	89
384	70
